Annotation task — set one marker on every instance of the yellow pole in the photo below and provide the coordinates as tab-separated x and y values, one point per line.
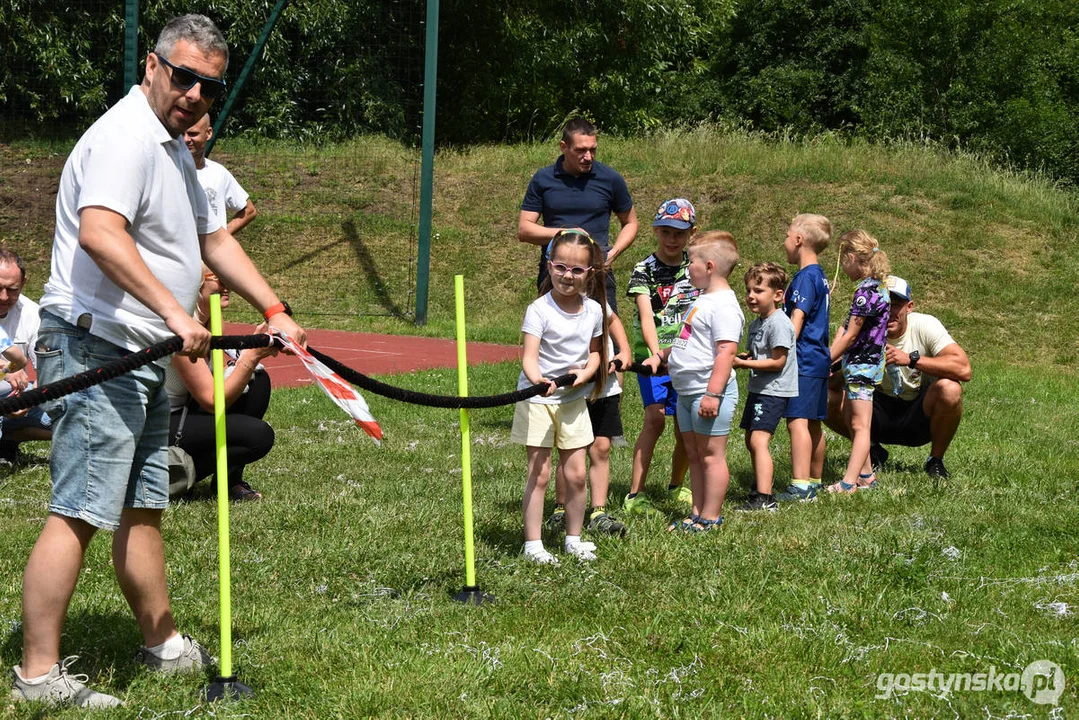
218	359
466	437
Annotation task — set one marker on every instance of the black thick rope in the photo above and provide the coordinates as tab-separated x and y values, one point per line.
442	401
118	367
137	359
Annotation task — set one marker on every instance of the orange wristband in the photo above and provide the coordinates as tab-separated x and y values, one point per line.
273	310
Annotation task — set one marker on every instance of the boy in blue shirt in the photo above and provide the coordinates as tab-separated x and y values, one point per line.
806	304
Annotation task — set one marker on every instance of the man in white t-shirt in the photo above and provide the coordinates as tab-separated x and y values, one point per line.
926	406
228	200
132	232
19	319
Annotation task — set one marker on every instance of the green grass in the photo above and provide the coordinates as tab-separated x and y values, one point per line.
343	574
343	577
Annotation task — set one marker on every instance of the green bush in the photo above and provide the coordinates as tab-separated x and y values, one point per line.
998	77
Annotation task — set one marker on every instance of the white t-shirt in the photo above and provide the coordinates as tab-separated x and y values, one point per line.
715	317
225	196
564	342
927	335
127	162
21	324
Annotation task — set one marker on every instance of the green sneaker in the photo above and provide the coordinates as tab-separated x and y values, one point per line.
681	494
639	505
603	524
557	520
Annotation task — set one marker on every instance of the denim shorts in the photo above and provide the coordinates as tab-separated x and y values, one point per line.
690	420
109	441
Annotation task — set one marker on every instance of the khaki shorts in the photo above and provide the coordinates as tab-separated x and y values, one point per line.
565	426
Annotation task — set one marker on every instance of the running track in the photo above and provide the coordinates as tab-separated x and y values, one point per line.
373	354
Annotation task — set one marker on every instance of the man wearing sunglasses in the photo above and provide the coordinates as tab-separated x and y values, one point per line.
132	232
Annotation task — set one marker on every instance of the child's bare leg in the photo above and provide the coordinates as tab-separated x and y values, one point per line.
859	418
654	422
716	476
679	463
539	472
599	471
801	447
816	438
559	483
696	470
573	464
757	442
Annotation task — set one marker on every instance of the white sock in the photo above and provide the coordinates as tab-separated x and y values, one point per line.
572	540
533	547
170	649
31	681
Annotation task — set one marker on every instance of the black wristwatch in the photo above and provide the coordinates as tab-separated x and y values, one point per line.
914	358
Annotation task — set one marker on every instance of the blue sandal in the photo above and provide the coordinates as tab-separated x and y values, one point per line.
703	526
867	486
685	524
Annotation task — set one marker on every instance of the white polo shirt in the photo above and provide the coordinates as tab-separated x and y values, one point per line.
21	324
127	162
225	196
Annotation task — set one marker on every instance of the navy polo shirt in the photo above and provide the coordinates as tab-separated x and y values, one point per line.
584	201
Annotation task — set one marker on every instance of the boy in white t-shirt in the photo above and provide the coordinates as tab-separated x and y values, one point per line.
773	374
225	196
701	363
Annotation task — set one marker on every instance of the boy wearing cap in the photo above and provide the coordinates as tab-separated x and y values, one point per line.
661	289
928	406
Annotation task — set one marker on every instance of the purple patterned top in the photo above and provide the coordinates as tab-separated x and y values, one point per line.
870	302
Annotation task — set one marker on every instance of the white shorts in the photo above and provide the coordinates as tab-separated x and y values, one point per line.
565	426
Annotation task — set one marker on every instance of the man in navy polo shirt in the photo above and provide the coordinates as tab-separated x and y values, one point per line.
578	192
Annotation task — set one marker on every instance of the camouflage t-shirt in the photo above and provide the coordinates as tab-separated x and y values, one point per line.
671	293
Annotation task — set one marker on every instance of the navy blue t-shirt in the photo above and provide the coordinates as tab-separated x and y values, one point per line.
584	201
808	292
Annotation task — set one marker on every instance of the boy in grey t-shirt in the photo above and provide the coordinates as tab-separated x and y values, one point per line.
773	374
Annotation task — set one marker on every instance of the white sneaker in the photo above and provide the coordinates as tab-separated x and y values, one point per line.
193	659
60	688
541	557
582	550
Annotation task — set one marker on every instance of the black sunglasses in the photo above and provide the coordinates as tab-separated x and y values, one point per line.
211	88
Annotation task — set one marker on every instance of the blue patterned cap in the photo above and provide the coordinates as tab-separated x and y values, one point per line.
677	213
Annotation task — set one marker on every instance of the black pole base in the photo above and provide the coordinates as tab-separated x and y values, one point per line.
226	688
472	595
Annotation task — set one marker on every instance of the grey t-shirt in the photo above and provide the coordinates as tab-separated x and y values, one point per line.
776	330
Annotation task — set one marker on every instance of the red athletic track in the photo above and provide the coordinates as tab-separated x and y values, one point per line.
374	354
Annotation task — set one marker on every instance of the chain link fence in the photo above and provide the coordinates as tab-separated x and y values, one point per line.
324	135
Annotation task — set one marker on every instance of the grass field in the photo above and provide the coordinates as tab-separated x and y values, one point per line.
343	575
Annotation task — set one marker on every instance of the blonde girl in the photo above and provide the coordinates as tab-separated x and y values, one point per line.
564	333
861	346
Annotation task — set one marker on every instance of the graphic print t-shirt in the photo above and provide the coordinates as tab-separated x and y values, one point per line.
671	295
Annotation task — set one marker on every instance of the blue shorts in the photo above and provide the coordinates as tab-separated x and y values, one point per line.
109	441
762	412
812	400
657	390
690	420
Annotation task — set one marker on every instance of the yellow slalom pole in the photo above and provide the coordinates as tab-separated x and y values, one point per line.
471	593
225	685
218	359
